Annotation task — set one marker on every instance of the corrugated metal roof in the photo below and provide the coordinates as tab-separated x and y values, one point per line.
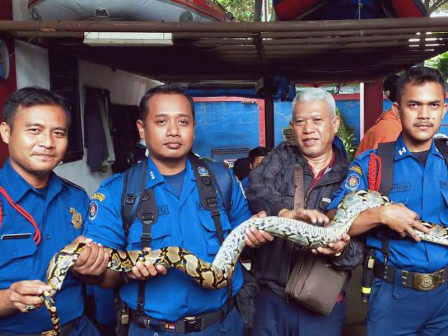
302	51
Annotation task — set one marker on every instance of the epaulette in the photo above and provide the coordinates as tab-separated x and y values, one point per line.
111	179
70	183
366	154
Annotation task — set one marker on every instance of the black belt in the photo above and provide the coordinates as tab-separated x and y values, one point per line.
418	281
185	325
65	329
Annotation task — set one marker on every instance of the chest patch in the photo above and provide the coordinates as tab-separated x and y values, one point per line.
163	210
76	218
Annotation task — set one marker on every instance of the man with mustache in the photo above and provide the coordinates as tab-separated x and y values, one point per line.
40	213
410	291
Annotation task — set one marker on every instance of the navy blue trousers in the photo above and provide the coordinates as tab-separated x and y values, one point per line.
396	310
85	328
275	317
231	325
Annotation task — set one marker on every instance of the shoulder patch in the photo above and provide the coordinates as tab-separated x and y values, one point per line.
356	169
70	183
99	196
352	182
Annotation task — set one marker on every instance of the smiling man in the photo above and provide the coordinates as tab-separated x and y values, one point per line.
410	292
272	188
40	214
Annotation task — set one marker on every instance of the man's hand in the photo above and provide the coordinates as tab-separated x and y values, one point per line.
146	270
309	216
25	295
402	220
92	261
335	248
255	238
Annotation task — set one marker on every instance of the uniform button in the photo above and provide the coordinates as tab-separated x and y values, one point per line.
48	237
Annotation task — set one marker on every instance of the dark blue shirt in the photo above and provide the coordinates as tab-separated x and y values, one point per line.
181	222
59	215
423	189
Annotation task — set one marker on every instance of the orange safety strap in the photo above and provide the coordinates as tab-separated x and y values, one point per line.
24	213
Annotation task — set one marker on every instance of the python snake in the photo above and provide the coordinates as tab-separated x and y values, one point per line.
216	274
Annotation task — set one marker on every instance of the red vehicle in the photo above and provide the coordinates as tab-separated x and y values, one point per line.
347	9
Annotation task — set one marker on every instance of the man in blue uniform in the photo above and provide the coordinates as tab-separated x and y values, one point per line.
410	294
172	302
40	214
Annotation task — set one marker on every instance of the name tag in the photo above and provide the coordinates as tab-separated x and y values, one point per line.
401	187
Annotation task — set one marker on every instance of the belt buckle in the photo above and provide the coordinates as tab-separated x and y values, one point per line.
193	324
425	282
48	333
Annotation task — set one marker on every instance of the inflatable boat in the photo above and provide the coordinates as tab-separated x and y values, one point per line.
286	10
129	10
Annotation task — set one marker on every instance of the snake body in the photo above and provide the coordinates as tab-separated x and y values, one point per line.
216	274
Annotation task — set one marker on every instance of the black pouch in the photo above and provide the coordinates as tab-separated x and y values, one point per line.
123	316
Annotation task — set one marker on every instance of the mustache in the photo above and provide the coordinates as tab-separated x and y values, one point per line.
425	123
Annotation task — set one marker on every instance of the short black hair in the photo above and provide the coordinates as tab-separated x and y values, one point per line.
28	97
257	151
419	75
241	168
390	87
169	88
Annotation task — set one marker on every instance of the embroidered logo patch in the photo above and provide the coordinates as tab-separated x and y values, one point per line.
356	169
93	210
203	171
352	182
99	196
76	218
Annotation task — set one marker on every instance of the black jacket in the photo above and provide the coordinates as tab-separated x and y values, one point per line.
271	188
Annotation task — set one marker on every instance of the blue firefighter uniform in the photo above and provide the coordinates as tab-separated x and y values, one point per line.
181	222
423	189
59	211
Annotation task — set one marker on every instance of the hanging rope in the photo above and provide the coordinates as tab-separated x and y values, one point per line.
24	213
374	172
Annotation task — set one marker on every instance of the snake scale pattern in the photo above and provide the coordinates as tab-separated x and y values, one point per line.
216	274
